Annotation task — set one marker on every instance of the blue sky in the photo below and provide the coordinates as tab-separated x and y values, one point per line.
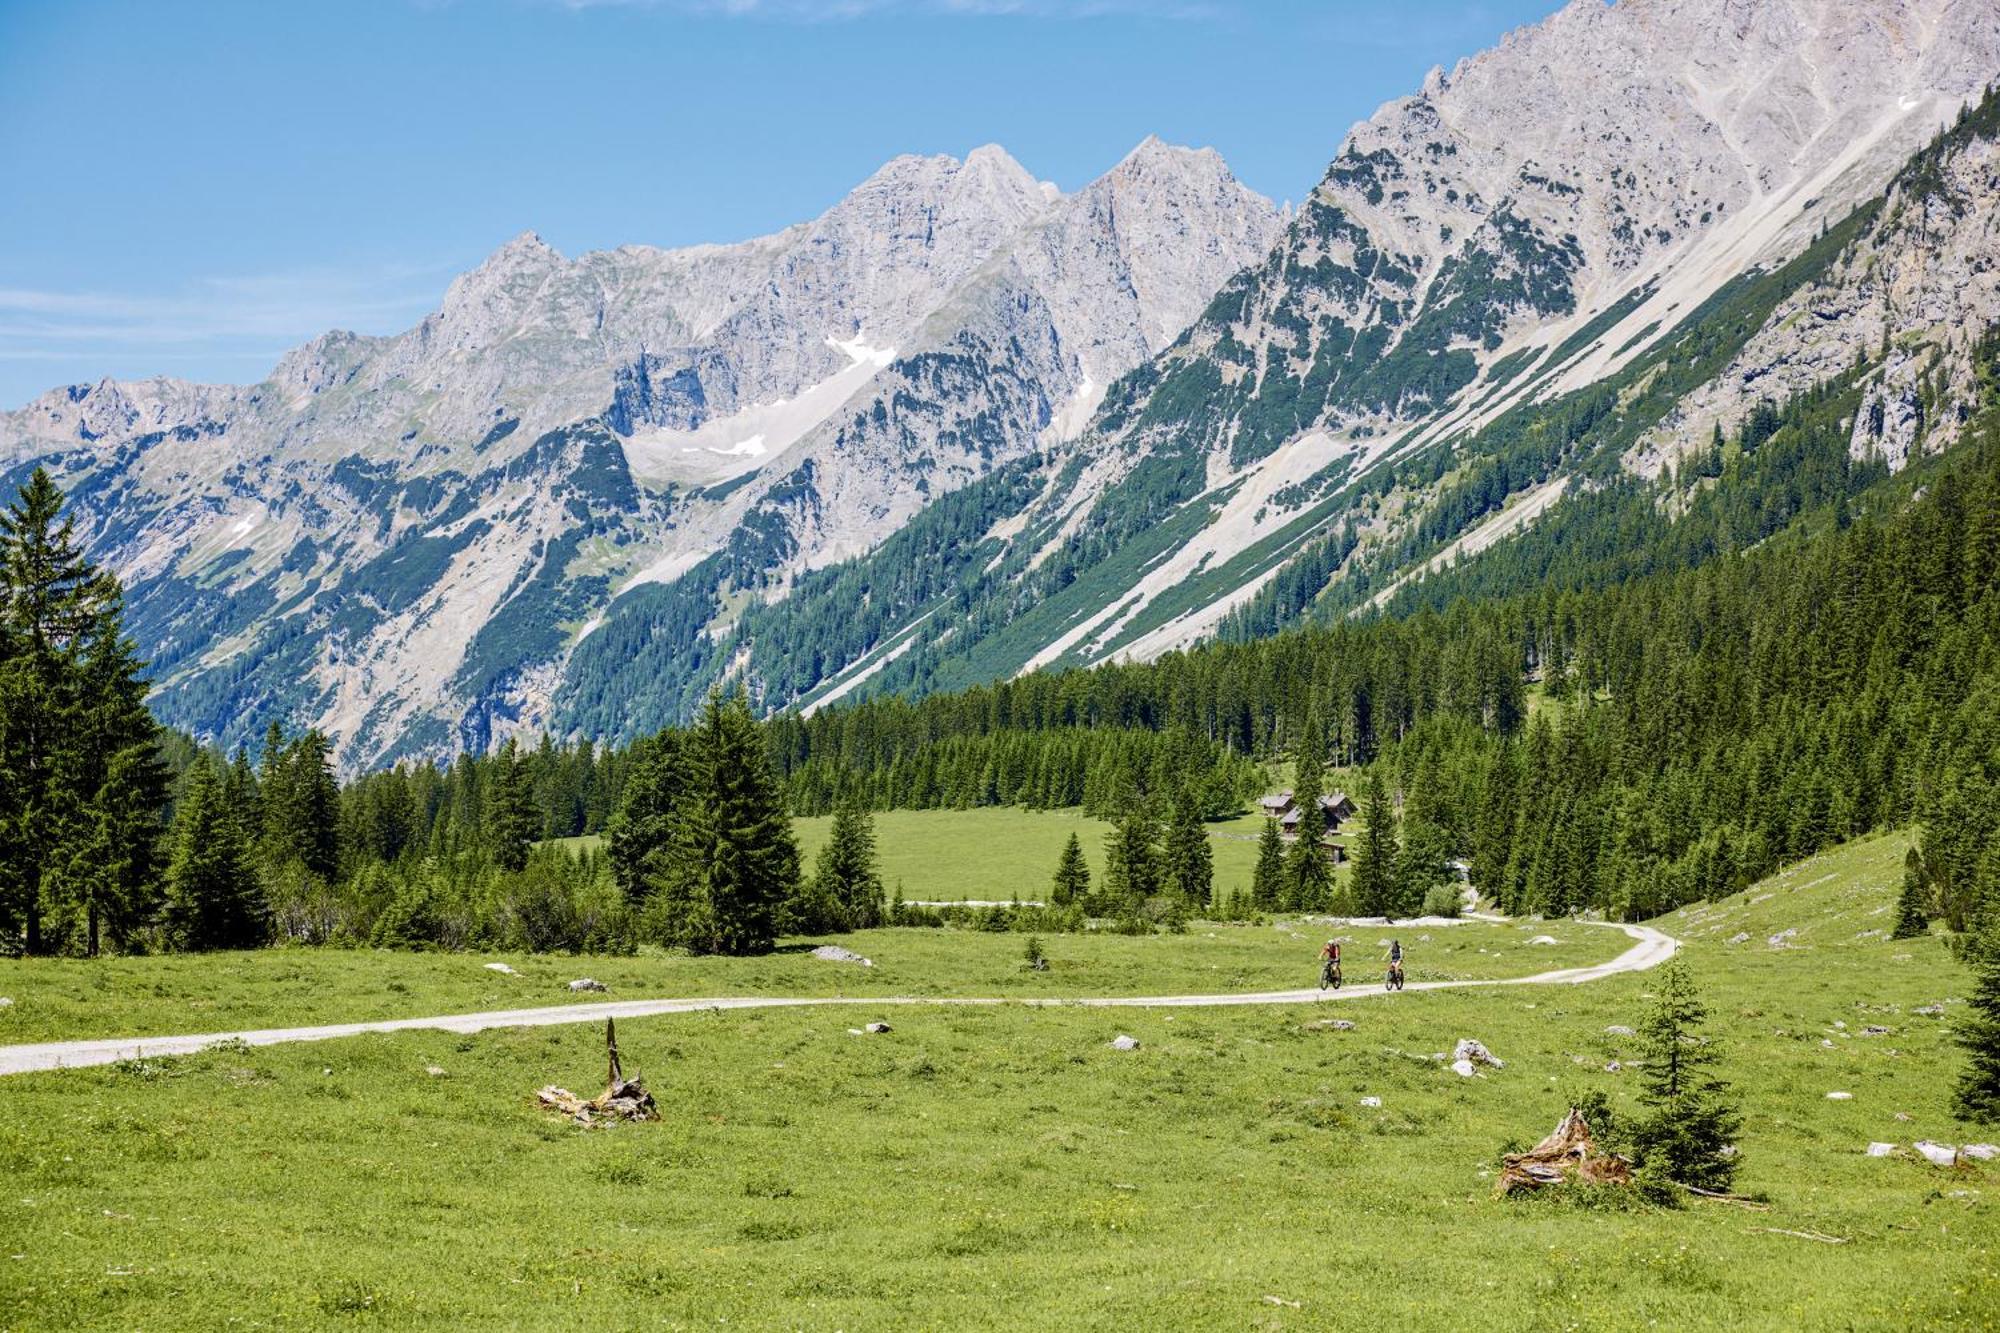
191	188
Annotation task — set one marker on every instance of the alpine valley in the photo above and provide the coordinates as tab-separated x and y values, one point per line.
963	425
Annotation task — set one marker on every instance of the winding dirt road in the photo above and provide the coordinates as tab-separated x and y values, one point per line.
1650	948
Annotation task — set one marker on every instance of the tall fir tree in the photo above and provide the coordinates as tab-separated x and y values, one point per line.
1493	831
1071	884
1131	862
845	873
1913	904
1267	877
1977	1097
1687	1136
732	862
80	793
1189	861
213	900
1377	852
512	820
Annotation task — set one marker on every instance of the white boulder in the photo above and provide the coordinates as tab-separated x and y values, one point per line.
1938	1154
502	969
1476	1052
1124	1043
833	953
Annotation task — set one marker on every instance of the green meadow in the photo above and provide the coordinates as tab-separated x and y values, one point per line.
1000	853
1005	1167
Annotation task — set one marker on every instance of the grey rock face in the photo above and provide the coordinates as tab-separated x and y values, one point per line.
401	539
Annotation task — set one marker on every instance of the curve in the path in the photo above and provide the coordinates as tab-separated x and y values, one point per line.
1650	948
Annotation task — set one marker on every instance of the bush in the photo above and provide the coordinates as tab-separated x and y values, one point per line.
1443	900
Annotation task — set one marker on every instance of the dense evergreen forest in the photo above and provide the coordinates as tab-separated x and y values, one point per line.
1662	692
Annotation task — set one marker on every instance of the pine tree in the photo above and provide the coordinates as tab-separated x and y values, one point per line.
1493	833
213	899
1189	860
640	831
1072	881
1376	855
1978	1095
1267	880
1308	874
731	862
1913	910
511	818
1131	863
76	822
1424	861
845	873
1687	1137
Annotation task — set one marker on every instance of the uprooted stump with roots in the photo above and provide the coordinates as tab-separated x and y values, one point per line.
1569	1154
622	1099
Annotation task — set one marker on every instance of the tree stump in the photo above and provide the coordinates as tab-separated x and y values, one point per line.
622	1098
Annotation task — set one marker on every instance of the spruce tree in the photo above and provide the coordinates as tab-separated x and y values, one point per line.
1189	860
213	898
1267	879
1072	880
1913	912
1978	1095
1688	1134
1308	873
1131	863
845	873
640	831
511	818
731	863
76	822
1376	854
1493	832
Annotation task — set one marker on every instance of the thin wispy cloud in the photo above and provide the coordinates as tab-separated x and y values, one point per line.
264	306
837	11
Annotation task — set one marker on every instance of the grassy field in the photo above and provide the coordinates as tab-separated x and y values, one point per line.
999	854
1006	1168
67	999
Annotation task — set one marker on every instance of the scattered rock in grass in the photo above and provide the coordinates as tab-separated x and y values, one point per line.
1545	939
1875	1030
1334	1024
833	953
5	1002
434	1071
1840	1096
1982	1152
1903	1117
1280	1300
1740	937
1777	941
502	968
1881	1149
1371	1102
878	1027
1476	1052
1938	1154
1124	1043
1826	1042
1934	1010
1619	1030
1614	1068
585	983
1463	1068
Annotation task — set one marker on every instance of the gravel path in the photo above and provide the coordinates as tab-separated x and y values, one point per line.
1650	948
